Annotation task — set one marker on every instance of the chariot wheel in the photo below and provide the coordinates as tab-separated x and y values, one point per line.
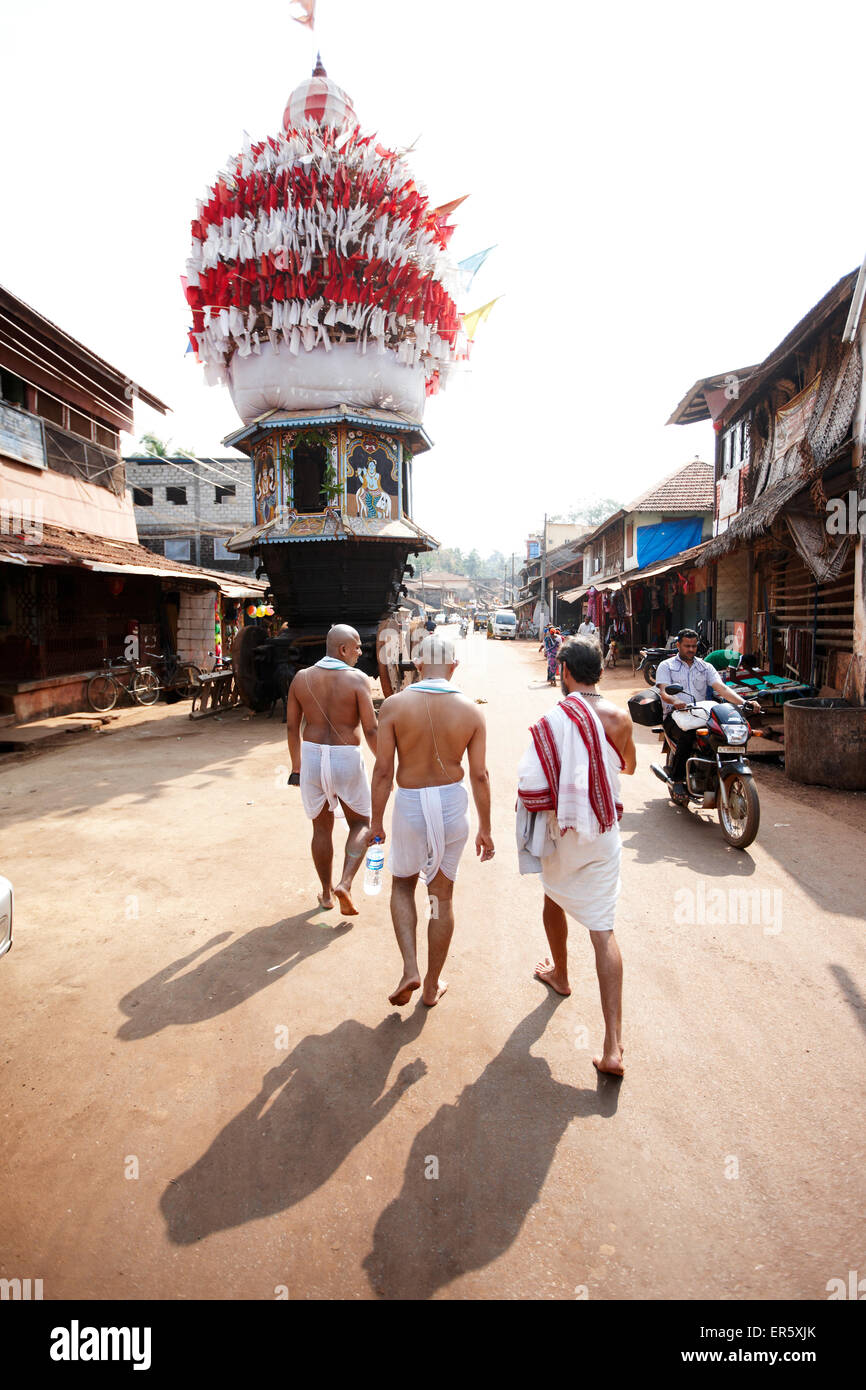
246	677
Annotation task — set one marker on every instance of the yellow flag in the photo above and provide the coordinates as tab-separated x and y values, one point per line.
472	320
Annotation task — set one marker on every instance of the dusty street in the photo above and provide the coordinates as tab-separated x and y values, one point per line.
207	1095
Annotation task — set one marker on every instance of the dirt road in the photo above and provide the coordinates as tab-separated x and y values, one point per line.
207	1095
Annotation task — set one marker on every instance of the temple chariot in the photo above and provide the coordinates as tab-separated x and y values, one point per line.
322	296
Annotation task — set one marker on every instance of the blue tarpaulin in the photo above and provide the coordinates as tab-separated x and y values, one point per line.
667	538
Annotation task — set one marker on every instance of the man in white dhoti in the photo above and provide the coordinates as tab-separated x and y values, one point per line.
568	827
429	726
335	701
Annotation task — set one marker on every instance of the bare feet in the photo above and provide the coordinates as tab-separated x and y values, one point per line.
347	907
404	991
325	900
433	998
546	972
610	1063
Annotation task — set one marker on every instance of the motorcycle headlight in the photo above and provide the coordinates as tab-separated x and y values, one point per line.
737	733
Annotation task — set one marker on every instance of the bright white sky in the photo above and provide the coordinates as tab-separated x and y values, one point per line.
671	187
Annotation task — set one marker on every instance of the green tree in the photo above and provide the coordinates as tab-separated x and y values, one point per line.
590	512
158	448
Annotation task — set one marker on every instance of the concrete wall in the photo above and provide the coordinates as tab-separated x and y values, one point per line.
201	519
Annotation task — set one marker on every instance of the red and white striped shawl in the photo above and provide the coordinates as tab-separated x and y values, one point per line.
607	811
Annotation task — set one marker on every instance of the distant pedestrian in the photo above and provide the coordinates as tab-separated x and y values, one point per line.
550	644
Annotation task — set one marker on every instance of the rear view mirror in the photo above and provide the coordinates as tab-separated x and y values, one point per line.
673	689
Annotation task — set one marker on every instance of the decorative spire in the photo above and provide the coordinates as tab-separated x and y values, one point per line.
319	69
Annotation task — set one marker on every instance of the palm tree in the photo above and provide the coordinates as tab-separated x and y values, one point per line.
157	448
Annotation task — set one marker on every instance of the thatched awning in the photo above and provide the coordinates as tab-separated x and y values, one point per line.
755	519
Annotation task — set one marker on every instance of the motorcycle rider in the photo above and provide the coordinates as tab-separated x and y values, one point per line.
696	677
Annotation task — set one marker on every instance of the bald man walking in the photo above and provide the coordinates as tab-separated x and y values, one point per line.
429	726
334	701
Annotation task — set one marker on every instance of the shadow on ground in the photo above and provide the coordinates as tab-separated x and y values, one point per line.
250	963
493	1150
311	1112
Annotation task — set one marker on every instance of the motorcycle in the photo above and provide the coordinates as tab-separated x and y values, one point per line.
718	775
650	657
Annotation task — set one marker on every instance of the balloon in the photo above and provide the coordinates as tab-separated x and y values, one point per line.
251	611
260	611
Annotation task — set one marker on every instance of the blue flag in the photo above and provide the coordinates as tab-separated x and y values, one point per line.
470	267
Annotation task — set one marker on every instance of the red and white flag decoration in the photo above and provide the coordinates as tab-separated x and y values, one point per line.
308	16
320	235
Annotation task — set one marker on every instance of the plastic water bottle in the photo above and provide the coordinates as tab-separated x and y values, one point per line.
373	868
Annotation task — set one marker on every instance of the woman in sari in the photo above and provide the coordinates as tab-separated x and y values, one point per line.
551	643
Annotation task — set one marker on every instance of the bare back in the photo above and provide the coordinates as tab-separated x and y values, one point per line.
618	727
425	725
333	704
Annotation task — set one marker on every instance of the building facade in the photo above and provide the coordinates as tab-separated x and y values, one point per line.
188	508
787	555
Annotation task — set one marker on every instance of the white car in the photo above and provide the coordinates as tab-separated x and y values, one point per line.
505	624
440	619
5	915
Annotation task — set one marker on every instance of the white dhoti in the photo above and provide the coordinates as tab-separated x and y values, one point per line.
331	774
582	876
429	830
579	866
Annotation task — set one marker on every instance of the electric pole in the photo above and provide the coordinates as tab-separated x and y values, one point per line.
544	572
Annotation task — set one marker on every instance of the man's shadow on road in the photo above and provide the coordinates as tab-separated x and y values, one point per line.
311	1112
252	962
492	1150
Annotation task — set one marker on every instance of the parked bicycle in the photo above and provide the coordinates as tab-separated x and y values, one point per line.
123	677
180	678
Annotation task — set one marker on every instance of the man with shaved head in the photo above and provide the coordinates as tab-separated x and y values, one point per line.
428	727
334	701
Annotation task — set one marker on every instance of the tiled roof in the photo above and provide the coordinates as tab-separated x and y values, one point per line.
688	489
57	546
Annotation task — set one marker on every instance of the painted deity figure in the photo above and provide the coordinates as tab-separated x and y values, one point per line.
373	503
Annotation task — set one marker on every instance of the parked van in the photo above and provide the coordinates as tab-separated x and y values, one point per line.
505	624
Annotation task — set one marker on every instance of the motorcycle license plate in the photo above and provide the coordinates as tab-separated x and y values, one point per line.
732	748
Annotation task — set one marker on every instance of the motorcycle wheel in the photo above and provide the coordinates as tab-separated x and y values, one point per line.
649	673
741	820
